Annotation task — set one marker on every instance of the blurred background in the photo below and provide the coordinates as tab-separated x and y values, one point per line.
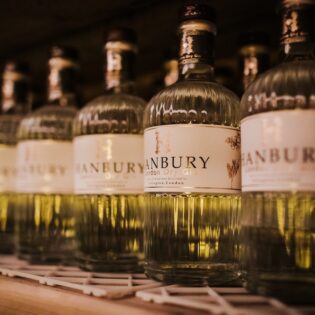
30	27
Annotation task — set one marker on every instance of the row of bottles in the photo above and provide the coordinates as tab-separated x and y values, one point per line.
196	186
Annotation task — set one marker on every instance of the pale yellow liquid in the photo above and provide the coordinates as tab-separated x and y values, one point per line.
6	223
45	227
110	232
192	239
278	249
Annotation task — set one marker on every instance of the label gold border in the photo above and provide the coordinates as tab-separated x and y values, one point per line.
194	126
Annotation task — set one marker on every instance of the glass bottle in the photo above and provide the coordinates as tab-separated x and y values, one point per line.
45	230
278	170
15	104
254	56
192	161
109	166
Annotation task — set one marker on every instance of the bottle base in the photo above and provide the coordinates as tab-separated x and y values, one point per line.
47	257
6	243
291	288
114	263
198	274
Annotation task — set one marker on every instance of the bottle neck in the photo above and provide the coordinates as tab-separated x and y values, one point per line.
15	92
196	53
119	70
298	32
254	59
62	81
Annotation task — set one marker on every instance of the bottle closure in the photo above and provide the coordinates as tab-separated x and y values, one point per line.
62	79
15	90
120	58
298	33
196	53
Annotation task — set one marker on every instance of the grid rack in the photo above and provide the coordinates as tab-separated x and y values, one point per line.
110	285
199	300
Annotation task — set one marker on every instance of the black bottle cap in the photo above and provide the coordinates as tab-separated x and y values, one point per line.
17	66
197	11
63	52
293	3
253	38
121	34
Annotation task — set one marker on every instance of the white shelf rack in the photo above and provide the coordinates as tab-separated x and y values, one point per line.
110	285
199	300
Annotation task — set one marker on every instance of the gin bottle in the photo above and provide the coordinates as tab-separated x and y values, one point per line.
192	166
15	104
108	149
45	230
278	166
254	56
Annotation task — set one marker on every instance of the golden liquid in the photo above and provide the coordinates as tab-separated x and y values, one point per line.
6	223
278	250
110	232
45	227
192	238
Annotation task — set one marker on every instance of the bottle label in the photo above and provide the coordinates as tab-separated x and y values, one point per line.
45	166
278	151
108	164
7	168
192	158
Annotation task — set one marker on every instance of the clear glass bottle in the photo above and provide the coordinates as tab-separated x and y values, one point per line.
15	104
45	229
192	161
278	172
254	56
109	166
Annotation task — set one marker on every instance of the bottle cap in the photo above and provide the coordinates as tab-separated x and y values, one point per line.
17	66
121	34
197	11
66	52
253	38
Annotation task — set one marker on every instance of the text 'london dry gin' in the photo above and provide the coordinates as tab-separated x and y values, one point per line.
278	166
192	166
15	104
45	167
108	152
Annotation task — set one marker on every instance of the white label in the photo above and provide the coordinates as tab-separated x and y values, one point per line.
192	158
7	168
278	151
45	166
109	164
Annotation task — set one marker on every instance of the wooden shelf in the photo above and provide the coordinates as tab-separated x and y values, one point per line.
18	296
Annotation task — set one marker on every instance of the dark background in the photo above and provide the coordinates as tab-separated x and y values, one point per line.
29	27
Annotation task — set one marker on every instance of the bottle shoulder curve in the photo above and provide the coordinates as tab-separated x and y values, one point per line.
48	122
289	85
199	102
8	128
110	113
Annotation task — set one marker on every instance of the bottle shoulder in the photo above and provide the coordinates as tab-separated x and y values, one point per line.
289	85
9	124
48	122
198	102
111	113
